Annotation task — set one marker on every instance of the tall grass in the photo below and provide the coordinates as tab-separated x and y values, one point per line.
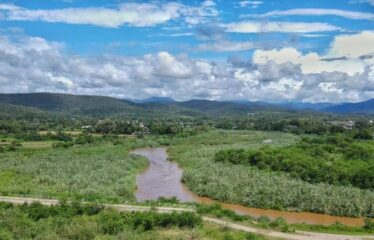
91	172
255	188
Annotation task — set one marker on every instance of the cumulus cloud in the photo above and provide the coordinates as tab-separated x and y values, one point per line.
31	64
288	27
352	46
316	12
349	54
131	14
310	62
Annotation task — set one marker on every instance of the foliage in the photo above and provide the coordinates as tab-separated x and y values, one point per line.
249	186
77	221
369	224
333	159
102	172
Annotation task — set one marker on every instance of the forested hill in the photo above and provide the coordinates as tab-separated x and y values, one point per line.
8	111
361	107
100	106
70	104
79	105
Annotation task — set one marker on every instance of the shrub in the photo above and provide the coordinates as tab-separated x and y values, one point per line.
369	224
110	222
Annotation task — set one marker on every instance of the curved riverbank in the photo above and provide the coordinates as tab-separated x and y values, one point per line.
163	179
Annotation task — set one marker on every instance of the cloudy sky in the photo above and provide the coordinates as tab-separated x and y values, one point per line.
268	50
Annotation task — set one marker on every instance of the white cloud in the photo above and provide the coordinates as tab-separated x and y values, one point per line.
226	46
349	54
186	34
252	4
310	62
288	27
313	35
131	14
352	46
317	12
29	64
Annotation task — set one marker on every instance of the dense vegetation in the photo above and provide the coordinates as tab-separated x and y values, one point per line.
77	221
265	156
335	159
256	188
99	172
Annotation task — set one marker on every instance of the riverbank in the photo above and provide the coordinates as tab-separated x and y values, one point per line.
163	179
261	188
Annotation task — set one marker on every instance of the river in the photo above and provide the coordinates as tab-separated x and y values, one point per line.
162	178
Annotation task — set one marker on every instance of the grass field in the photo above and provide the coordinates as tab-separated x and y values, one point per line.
100	172
249	186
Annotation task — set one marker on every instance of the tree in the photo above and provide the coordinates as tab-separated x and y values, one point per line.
105	126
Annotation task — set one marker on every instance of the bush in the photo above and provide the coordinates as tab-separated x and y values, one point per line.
110	222
148	220
324	159
369	224
62	145
84	139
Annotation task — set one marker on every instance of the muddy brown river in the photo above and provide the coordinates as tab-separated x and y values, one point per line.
162	178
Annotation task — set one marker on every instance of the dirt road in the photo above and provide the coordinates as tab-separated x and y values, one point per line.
299	235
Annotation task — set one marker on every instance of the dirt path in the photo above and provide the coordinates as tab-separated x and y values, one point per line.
299	235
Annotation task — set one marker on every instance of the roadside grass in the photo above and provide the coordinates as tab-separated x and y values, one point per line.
77	221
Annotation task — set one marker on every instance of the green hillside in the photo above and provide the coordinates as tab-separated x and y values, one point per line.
99	106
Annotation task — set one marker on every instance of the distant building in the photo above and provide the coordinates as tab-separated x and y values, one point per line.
345	124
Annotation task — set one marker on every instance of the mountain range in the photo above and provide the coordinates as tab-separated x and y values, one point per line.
100	106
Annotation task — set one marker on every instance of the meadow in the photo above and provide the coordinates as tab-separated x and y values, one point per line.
103	171
249	186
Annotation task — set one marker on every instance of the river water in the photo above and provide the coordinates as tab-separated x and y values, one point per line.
162	178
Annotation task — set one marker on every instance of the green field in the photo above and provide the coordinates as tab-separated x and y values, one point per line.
252	187
103	171
99	172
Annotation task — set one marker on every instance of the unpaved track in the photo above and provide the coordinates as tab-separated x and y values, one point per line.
299	235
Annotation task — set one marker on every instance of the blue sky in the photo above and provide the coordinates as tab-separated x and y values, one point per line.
281	50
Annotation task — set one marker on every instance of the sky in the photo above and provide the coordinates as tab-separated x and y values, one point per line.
256	50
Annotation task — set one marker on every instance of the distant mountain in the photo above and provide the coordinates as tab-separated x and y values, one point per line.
99	106
366	107
155	100
70	104
217	107
308	106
